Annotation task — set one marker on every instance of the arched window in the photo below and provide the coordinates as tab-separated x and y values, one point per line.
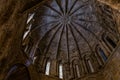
28	47
77	71
30	17
60	71
27	31
47	70
102	54
111	42
99	60
90	66
34	58
76	68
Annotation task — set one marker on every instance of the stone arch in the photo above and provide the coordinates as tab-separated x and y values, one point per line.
99	56
110	41
18	72
44	65
89	64
76	68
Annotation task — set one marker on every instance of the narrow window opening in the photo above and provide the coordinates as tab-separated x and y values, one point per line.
90	66
26	47
27	32
29	49
78	71
60	71
103	54
47	71
99	59
30	17
111	42
34	59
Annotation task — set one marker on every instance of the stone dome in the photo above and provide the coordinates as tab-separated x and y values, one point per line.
68	32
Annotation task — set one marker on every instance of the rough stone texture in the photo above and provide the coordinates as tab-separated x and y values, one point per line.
13	17
112	69
113	3
12	24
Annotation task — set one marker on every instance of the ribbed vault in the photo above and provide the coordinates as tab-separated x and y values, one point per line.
66	27
68	31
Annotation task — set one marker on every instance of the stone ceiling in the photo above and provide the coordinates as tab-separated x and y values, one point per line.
114	3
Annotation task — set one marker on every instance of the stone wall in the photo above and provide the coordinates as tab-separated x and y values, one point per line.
12	25
113	3
112	69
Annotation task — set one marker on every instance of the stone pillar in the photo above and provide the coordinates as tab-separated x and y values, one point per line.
53	68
